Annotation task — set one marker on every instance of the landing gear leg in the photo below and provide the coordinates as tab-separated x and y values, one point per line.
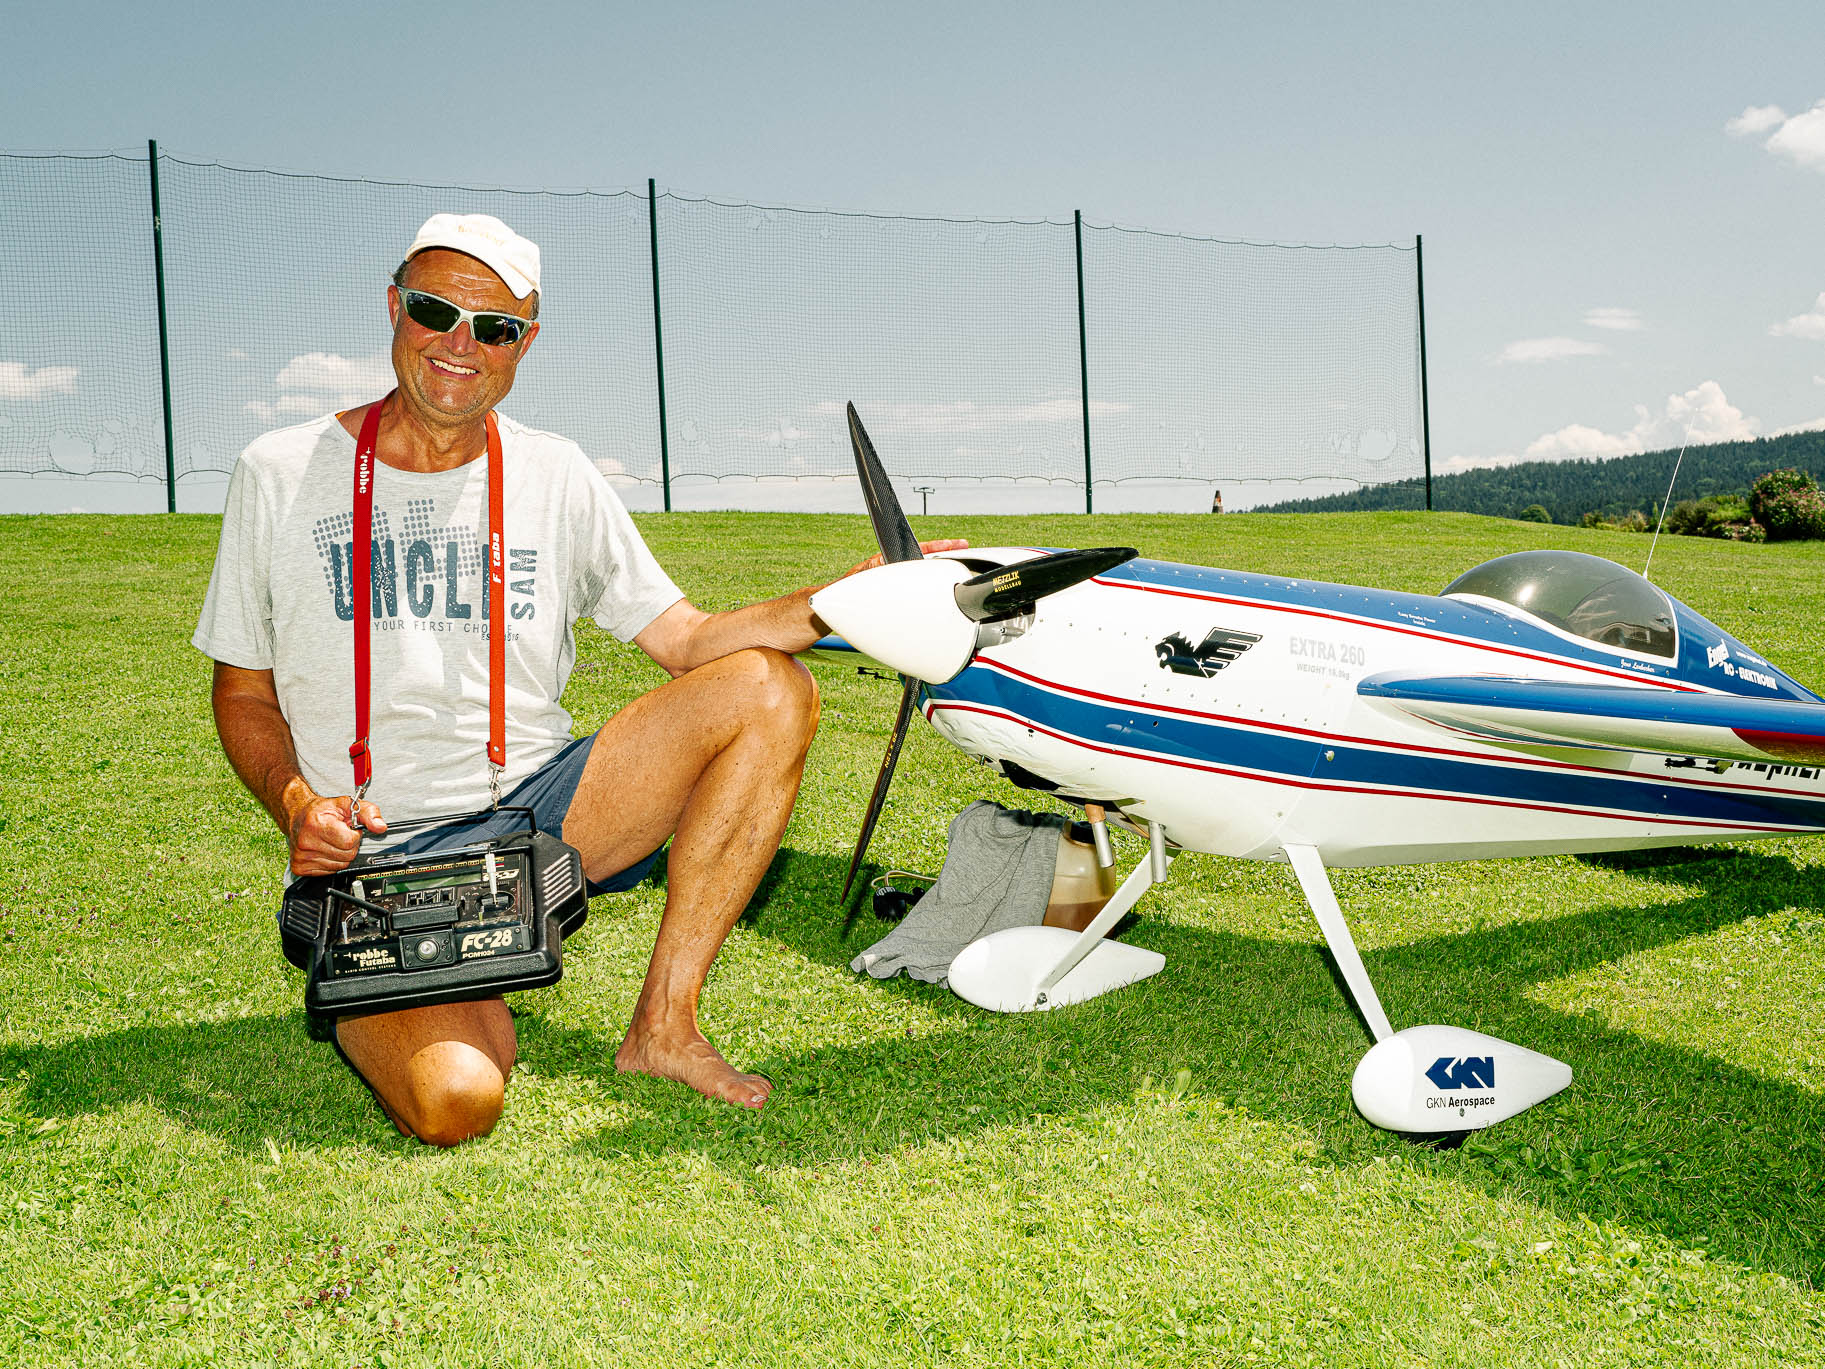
1429	1084
1317	886
1030	969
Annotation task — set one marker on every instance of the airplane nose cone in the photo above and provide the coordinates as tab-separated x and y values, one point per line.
905	615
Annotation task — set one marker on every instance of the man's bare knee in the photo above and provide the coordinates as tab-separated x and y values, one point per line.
457	1094
778	690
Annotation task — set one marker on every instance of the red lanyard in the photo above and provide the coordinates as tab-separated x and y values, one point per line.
362	588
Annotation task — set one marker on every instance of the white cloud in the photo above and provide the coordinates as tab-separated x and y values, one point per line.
347	380
1534	349
285	406
1615	319
782	434
1756	119
317	381
1698	416
18	383
1578	439
1811	425
1810	325
1453	465
1800	138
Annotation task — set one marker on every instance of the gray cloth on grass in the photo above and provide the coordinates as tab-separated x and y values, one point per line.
997	874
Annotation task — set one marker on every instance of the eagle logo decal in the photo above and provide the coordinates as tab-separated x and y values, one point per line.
1220	646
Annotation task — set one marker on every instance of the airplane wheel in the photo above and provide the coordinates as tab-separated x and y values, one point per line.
891	904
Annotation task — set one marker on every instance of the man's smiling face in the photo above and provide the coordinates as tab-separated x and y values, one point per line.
449	378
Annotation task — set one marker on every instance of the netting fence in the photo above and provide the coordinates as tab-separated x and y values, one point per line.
1052	351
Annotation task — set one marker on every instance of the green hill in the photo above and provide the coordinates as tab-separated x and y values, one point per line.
1569	489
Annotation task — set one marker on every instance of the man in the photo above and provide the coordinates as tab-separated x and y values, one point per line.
711	759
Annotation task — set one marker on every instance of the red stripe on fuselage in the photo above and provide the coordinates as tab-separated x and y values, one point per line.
1386	744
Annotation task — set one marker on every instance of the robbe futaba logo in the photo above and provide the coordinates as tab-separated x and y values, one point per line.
1220	646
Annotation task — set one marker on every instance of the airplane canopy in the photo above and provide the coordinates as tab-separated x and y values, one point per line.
1586	596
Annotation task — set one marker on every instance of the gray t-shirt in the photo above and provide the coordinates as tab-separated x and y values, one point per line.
280	599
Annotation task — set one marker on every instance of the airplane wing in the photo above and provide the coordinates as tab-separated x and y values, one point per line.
833	650
1521	712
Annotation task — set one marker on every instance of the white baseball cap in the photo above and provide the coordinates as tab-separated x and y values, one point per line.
482	236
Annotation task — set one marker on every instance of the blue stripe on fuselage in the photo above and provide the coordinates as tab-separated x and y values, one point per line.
1280	755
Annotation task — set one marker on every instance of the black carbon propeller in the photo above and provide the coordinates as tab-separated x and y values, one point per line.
995	594
898	543
891	530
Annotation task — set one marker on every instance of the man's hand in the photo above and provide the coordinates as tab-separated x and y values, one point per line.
323	839
321	832
926	548
685	637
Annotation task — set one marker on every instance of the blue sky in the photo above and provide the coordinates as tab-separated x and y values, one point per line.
1621	203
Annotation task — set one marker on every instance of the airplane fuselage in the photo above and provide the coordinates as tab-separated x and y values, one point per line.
1225	706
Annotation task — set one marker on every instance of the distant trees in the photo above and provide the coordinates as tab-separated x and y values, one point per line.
1765	490
1567	489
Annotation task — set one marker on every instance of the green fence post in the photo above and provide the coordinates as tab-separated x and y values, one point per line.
1083	355
665	453
1425	405
164	339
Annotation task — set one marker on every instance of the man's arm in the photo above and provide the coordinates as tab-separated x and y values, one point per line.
685	637
258	742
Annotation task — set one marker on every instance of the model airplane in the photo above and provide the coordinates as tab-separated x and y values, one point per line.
1546	702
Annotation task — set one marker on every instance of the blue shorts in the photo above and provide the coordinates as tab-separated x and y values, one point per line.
548	792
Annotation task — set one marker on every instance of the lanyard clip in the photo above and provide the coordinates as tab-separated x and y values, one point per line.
494	784
364	775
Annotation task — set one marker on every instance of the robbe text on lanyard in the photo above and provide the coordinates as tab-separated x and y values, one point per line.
397	930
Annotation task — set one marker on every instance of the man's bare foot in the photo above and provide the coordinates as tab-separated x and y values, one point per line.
693	1061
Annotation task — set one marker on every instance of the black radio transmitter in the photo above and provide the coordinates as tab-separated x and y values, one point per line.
408	930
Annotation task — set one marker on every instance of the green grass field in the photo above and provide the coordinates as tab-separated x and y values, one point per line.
1171	1175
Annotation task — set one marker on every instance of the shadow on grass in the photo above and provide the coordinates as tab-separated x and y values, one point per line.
244	1080
1650	1134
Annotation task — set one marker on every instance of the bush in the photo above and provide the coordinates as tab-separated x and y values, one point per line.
1782	481
1686	519
1723	510
1788	504
1536	513
1632	521
1715	515
1794	515
1747	532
